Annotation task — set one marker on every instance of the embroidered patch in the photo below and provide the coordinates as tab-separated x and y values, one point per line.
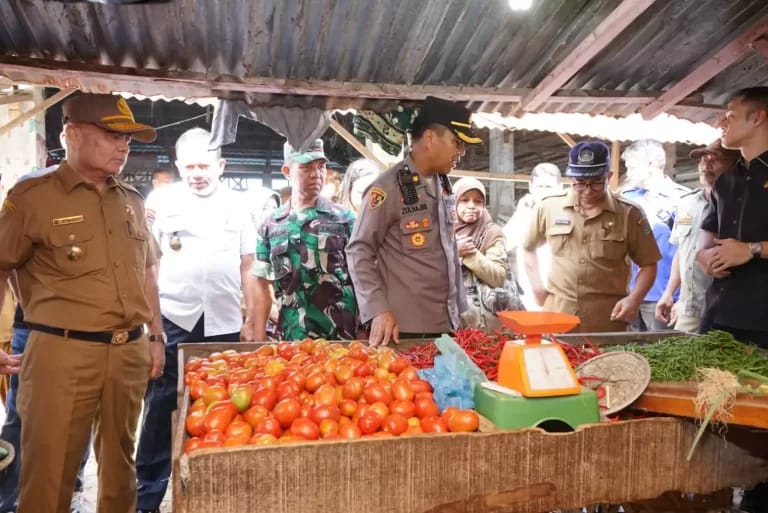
412	224
426	222
378	197
59	221
418	240
7	205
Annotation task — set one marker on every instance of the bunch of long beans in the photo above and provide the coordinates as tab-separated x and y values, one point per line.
677	358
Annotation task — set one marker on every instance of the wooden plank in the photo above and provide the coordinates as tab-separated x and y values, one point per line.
678	399
567	139
10	99
615	165
37	109
726	56
613	25
356	144
760	45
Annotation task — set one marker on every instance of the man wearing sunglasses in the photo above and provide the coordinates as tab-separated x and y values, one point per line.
591	232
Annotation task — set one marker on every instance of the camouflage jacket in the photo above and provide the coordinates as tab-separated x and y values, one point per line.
302	253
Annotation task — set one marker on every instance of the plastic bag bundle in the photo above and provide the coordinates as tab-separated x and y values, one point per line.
454	375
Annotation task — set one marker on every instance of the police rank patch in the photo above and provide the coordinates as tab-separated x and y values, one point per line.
378	197
7	205
418	240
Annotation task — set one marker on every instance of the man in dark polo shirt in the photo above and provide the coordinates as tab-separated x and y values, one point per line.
734	239
734	236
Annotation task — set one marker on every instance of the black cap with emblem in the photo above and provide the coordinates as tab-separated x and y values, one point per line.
452	115
588	159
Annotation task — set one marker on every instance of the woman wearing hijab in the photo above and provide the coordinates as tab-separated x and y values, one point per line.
483	257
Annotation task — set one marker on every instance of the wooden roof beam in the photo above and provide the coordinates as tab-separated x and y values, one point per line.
760	45
34	111
613	25
728	55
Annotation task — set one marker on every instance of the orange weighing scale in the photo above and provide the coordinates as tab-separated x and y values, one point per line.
536	385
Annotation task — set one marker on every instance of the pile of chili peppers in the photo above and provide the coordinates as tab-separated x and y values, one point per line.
482	348
485	350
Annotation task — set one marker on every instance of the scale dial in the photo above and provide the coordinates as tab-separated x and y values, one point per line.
547	368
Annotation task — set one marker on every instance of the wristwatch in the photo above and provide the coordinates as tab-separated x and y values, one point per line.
160	337
756	249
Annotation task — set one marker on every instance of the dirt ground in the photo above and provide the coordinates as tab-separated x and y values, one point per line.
91	485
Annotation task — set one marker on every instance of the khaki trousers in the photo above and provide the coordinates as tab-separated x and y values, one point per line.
593	311
65	387
4	379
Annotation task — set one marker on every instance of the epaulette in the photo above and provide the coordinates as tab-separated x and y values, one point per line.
558	194
622	199
29	183
128	187
691	193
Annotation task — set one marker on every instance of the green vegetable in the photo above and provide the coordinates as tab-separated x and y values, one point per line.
3	453
677	358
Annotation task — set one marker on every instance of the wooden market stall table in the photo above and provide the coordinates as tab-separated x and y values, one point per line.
525	471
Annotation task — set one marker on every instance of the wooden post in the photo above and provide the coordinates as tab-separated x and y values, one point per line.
352	140
34	111
567	139
501	194
615	161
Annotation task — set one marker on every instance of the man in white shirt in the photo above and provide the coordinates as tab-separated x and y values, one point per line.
207	240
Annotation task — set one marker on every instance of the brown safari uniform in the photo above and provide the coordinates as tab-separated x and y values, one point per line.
590	270
81	258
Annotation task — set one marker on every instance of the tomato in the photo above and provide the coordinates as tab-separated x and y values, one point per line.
307	345
262	439
395	424
197	389
358	353
434	424
413	430
222	405
402	390
219	419
297	377
286	411
398	365
216	356
328	426
426	408
190	444
420	385
382	374
314	381
464	421
195	423
214	435
320	413
241	397
215	393
266	350
305	428
379	409
424	395
193	364
198	405
239	430
242	375
414	422
306	410
255	414
268	426
404	408
375	393
369	423
275	367
352	389
348	407
325	395
349	431
343	373
287	389
447	413
366	369
266	397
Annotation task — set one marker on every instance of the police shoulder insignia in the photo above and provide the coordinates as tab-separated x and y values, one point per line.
9	206
378	197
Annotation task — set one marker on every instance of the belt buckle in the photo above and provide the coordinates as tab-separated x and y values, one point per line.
119	337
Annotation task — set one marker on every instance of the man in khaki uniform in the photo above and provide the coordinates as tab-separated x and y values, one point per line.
591	232
85	268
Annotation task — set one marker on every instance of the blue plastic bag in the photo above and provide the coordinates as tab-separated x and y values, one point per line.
454	376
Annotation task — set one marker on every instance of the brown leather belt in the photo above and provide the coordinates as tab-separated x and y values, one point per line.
108	337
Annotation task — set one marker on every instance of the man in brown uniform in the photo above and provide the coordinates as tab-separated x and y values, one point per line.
87	282
590	232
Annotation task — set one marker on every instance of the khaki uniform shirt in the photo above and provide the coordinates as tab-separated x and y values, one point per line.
45	220
403	258
590	270
685	235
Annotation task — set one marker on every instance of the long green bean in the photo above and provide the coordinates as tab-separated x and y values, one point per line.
678	357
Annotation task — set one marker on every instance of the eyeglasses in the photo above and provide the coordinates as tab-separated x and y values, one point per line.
583	186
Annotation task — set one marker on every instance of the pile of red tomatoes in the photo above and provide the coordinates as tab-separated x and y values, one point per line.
310	390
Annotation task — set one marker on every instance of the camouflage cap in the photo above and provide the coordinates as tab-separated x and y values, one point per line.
314	152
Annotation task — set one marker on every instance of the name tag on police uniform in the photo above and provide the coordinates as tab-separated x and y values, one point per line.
60	221
563	221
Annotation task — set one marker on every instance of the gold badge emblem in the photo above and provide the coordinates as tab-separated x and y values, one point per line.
378	197
411	225
418	240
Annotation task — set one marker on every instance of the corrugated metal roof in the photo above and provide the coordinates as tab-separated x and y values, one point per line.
426	42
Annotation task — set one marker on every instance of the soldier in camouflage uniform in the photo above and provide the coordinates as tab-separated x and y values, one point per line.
300	252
